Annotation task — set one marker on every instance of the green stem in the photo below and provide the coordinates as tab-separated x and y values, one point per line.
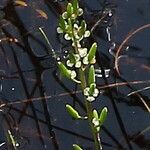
88	105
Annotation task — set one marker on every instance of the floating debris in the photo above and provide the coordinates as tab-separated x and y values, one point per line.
21	3
42	13
9	39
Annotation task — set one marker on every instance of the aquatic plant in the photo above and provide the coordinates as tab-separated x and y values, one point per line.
79	67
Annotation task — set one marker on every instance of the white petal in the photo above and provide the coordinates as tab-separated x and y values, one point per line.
77	57
67	37
87	34
85	61
76	36
80	11
64	15
86	91
78	64
82	52
96	92
75	26
73	16
59	30
78	44
90	98
69	64
73	74
95	122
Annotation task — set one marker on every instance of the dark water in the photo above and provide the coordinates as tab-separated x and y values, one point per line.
35	96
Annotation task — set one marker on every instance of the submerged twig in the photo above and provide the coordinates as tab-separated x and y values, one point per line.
111	85
143	101
140	97
137	91
129	36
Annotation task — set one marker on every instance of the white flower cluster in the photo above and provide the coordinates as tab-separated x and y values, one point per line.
80	57
91	92
77	60
77	32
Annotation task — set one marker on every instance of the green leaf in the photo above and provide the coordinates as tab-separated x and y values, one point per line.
95	114
62	23
92	52
72	58
75	6
63	70
92	88
103	115
69	28
69	9
70	74
91	77
76	147
82	28
83	25
73	112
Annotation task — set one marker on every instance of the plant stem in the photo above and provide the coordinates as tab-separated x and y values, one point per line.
88	105
96	138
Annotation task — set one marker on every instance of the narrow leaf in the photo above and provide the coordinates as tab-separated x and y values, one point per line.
92	52
91	77
63	70
83	25
76	147
62	23
95	114
103	115
69	9
82	28
73	112
75	6
92	88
